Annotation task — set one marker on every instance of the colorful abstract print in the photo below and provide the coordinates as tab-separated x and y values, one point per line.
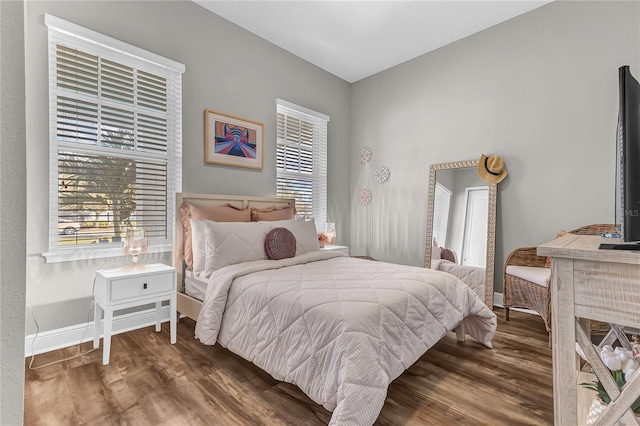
235	140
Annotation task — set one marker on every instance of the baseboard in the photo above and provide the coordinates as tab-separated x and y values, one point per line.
47	341
497	300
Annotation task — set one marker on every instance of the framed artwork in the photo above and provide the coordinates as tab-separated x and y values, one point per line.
232	141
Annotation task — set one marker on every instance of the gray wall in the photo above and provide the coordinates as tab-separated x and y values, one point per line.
12	208
541	90
228	70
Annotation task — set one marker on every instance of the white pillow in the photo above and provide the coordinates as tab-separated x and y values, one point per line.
304	231
198	245
229	243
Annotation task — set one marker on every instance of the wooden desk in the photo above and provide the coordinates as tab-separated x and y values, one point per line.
589	284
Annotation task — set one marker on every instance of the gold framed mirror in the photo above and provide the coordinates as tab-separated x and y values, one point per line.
461	218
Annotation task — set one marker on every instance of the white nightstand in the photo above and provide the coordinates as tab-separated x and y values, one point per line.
344	249
127	287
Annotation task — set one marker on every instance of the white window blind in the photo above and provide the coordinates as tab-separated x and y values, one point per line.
302	160
115	142
441	206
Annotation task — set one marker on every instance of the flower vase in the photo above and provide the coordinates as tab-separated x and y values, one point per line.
598	406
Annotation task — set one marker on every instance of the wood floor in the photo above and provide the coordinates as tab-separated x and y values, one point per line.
150	382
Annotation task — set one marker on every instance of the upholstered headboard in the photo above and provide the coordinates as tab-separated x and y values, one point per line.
213	200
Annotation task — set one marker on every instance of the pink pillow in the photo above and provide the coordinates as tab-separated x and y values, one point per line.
280	244
273	213
225	213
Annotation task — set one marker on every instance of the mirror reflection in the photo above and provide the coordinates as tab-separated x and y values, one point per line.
460	214
461	225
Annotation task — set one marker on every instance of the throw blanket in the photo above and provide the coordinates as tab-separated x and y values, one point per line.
339	328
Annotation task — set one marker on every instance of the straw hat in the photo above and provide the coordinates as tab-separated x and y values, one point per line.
491	169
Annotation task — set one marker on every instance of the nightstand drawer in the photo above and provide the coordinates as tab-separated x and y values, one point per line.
143	286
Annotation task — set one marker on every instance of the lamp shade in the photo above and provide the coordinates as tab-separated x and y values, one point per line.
135	243
330	231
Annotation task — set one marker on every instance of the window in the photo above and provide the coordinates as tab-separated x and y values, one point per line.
302	160
441	205
115	143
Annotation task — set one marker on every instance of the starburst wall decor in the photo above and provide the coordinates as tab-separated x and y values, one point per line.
365	155
382	174
365	197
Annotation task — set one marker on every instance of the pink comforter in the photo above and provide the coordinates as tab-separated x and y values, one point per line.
339	328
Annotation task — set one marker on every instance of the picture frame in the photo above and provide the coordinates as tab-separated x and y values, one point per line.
233	141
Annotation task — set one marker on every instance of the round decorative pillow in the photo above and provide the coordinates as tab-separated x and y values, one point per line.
280	244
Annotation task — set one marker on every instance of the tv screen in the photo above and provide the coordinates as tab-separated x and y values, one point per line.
628	158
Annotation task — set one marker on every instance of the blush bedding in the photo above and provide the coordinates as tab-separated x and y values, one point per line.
339	328
471	275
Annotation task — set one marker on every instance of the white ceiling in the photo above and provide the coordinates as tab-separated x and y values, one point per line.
356	39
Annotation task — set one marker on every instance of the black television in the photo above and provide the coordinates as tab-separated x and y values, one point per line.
627	205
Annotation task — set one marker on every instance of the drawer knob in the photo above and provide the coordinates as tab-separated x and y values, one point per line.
144	286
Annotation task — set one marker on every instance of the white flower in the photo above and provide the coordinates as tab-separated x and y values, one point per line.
623	354
619	359
605	354
622	364
610	357
613	363
629	364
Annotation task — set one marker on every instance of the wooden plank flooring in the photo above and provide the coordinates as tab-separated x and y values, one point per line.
151	382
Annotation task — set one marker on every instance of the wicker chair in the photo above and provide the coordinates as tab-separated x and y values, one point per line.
521	293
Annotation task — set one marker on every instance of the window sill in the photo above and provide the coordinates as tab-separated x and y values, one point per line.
84	254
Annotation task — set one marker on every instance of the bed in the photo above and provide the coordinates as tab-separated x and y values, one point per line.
339	328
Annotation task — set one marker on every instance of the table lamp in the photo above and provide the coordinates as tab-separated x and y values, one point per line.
135	243
330	231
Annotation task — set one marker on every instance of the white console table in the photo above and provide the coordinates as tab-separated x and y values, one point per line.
589	284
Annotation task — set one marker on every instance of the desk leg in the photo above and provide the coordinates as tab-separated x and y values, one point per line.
173	315
97	316
158	309
108	325
563	326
